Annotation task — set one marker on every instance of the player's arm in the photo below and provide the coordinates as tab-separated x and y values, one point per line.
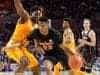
37	48
92	42
11	45
66	50
80	44
32	39
21	11
92	37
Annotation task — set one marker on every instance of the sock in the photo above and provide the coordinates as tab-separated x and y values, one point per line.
36	70
74	72
57	68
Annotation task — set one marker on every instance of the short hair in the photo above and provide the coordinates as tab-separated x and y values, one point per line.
38	8
68	20
43	19
88	20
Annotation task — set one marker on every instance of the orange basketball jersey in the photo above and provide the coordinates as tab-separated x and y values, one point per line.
19	36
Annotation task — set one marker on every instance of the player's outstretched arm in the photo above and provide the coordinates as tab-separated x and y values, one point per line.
21	11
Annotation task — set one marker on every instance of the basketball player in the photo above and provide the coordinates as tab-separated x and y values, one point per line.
48	41
69	45
15	48
89	44
68	37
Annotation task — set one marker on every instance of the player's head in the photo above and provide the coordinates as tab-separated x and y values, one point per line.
86	23
66	36
43	25
66	23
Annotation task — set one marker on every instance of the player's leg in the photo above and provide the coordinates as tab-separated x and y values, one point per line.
22	66
62	61
33	64
27	61
36	70
48	66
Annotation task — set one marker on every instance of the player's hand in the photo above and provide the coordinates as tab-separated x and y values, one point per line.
2	49
79	40
1	66
40	50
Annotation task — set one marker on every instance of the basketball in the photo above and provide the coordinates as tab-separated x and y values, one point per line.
75	62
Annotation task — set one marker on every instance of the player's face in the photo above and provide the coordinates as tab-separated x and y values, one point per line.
43	27
65	24
86	24
39	13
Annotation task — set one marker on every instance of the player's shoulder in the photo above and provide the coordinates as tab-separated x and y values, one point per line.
20	21
68	30
35	31
92	32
